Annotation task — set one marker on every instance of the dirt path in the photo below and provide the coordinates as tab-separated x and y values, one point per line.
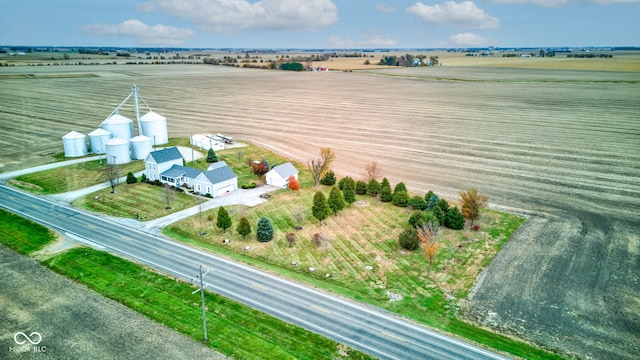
76	323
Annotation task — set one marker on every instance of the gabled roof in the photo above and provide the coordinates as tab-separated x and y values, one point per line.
164	155
219	175
217	165
179	170
285	170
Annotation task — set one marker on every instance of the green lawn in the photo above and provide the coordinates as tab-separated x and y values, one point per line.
70	178
361	236
237	158
22	235
233	329
146	200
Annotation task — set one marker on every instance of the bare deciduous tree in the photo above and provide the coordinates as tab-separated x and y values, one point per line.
428	235
169	194
373	170
111	173
321	165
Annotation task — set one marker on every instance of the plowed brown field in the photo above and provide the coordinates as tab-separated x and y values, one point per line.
563	146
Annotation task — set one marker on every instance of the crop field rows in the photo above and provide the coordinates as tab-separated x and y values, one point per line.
560	144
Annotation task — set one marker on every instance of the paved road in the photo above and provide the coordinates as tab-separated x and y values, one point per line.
369	329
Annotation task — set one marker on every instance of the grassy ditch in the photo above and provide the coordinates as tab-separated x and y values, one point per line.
144	201
21	235
234	329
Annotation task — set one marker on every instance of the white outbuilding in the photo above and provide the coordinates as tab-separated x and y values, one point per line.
279	175
75	144
206	142
98	139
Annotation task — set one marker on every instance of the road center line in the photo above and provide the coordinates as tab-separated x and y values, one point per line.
393	336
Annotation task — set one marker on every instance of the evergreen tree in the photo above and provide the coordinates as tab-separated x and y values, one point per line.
361	187
373	187
439	214
408	239
143	178
341	183
400	187
244	227
454	220
433	200
224	220
329	178
417	203
428	196
417	218
444	205
131	179
320	208
400	198
336	200
348	192
264	232
385	191
211	156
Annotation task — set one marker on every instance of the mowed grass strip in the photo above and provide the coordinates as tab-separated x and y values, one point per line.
144	200
361	236
22	235
234	329
70	178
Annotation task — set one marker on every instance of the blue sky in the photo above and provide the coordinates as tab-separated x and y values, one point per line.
320	23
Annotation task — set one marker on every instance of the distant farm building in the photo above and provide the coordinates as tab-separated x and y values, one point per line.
206	142
279	175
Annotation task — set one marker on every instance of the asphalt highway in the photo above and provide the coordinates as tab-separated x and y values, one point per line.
370	329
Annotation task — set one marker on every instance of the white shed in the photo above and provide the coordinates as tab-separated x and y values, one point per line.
279	175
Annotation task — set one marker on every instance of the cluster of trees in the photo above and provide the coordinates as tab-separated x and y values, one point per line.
409	60
590	56
291	66
264	229
425	224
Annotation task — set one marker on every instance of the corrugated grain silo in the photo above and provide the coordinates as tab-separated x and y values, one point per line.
75	144
141	146
154	126
118	151
119	126
98	139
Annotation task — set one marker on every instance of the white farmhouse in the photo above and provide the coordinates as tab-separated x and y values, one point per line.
279	175
179	175
218	180
160	161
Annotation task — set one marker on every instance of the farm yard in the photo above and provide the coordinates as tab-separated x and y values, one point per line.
559	146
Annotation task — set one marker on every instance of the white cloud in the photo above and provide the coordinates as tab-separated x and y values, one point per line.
226	16
558	3
468	40
385	9
369	41
147	35
464	14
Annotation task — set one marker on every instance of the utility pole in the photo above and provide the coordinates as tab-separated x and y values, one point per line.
204	313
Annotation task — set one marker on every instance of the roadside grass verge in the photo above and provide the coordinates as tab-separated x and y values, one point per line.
70	178
362	259
22	235
234	329
146	200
